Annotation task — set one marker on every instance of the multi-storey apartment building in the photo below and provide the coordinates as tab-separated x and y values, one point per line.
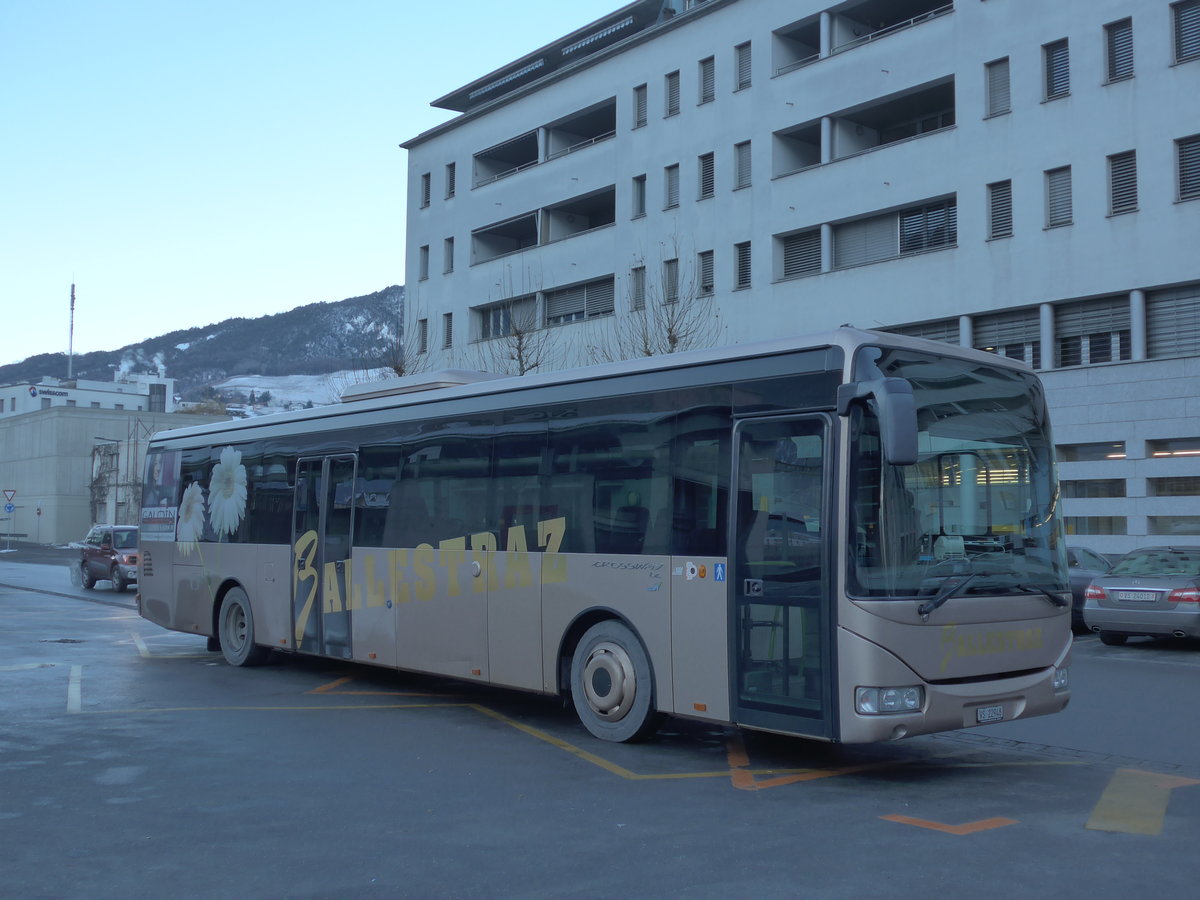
1023	178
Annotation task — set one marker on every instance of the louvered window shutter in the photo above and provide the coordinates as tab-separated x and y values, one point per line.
802	254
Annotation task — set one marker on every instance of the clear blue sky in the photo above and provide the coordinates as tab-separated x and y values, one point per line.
182	163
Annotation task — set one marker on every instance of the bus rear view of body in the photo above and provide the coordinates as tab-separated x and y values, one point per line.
851	537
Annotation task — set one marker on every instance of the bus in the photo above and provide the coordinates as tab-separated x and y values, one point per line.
852	537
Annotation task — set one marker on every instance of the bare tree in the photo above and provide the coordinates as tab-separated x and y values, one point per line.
513	338
404	355
673	313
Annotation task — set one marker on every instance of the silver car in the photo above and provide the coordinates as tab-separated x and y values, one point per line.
1153	591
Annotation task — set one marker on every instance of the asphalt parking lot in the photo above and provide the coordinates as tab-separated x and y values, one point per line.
133	762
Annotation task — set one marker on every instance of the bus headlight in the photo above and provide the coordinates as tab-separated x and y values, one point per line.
1062	679
877	701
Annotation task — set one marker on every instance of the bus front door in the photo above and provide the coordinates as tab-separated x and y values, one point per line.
322	535
781	582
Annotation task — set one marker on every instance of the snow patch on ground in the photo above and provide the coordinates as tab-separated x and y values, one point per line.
296	391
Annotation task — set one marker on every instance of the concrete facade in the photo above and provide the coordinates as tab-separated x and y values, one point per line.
976	172
68	468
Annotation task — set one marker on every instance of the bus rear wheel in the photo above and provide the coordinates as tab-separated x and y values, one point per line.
236	631
612	685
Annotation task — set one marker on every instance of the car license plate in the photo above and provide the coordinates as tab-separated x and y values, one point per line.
989	714
1138	596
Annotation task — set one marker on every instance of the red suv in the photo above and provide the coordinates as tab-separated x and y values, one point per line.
109	553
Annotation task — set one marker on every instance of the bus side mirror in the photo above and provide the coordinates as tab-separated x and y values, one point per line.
897	411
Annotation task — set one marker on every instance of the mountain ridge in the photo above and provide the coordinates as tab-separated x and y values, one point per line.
317	338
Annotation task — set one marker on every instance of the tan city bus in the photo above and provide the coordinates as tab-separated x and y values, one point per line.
853	536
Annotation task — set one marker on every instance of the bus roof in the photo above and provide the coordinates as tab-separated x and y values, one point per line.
456	384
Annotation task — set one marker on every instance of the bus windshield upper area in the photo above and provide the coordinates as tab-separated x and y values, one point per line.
980	502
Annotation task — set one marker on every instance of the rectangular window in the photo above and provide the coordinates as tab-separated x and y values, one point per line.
1188	153
802	254
447	330
423	262
423	336
705	168
1090	452
1057	62
1093	489
425	188
704	269
672	94
1172	447
741	55
1118	50
639	106
1016	334
1000	220
1176	486
741	165
639	196
1173	524
929	227
708	80
450	180
637	287
1058	197
1094	524
1089	332
1173	322
448	255
580	301
741	254
1122	183
1186	21
671	187
670	277
913	230
999	95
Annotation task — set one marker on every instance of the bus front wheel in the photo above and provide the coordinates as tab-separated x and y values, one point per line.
236	630
612	685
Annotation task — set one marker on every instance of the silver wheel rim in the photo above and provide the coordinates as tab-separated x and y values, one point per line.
235	627
609	681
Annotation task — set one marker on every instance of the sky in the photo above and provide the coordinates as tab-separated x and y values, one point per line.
182	163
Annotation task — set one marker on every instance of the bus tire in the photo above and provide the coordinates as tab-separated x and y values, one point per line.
612	685
236	631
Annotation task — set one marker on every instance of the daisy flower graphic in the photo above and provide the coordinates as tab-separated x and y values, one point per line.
227	493
190	525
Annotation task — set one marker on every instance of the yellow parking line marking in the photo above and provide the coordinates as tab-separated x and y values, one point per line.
965	828
1135	802
746	779
332	689
75	690
141	645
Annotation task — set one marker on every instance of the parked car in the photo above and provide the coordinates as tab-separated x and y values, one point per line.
109	553
1084	565
1153	591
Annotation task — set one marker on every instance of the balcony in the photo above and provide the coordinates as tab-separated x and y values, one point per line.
581	130
506	159
875	19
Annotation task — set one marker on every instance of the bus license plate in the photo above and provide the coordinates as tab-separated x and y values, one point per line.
1137	596
989	714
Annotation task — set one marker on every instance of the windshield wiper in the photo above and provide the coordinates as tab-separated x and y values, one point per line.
1054	599
947	591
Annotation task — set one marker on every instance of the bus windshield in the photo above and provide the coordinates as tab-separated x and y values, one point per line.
980	502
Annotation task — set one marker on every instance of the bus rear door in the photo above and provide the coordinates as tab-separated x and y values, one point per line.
322	535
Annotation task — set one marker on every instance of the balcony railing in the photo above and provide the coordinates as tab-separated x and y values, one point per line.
892	29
